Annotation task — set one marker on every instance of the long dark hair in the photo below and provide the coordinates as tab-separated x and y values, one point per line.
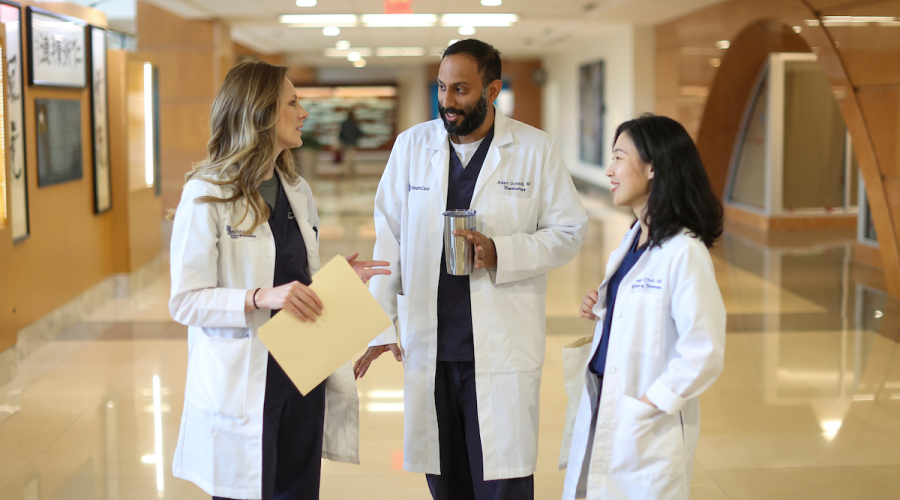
680	194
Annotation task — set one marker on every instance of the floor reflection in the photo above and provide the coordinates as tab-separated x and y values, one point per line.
808	405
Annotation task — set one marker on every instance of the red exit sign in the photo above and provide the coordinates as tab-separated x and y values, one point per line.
398	7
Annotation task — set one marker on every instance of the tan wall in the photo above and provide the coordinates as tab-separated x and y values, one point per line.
242	51
137	224
192	57
70	248
861	63
528	95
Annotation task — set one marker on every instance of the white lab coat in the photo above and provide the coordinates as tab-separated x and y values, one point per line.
214	262
667	342
525	201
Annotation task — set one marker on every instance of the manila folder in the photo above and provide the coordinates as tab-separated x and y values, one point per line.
351	317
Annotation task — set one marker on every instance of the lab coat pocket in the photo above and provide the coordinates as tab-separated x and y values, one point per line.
510	215
645	311
648	441
575	361
524	312
218	370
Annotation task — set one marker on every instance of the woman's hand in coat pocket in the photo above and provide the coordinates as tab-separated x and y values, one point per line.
365	269
294	297
588	303
362	364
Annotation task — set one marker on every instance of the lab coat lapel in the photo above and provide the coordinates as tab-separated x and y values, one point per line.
298	202
502	136
440	163
615	260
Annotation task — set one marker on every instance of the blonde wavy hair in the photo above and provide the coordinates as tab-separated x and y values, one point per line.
243	141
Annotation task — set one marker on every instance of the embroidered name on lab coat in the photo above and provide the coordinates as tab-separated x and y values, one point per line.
647	285
521	186
419	188
238	233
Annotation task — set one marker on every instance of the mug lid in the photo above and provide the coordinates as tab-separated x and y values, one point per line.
459	213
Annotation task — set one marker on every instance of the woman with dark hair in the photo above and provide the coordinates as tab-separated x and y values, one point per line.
659	340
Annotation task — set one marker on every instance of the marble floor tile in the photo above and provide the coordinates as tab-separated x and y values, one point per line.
808	405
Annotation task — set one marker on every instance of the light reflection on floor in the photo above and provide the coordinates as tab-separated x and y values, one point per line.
808	405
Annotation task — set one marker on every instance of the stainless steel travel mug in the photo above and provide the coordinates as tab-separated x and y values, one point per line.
458	252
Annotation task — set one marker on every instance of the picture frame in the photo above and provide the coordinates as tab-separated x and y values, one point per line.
14	105
57	49
592	111
100	120
59	143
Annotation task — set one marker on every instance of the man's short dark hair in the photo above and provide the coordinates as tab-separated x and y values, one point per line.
485	54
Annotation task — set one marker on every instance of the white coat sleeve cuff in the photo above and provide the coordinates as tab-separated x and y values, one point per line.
664	398
502	274
237	305
389	336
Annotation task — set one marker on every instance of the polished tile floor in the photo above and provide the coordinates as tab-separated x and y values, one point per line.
808	406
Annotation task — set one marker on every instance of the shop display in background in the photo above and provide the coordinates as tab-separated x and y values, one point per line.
375	108
17	206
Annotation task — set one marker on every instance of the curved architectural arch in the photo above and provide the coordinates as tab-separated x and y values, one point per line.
870	110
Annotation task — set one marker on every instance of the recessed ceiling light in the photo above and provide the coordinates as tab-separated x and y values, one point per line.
331	31
342	45
400	51
723	44
478	19
398	20
354	56
359	64
319	20
306	3
362	51
466	30
490	3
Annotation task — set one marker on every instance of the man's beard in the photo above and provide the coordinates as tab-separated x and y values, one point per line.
472	117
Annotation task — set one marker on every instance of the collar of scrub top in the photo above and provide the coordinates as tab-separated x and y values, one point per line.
474	166
440	159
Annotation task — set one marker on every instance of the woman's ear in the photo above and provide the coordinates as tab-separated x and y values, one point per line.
650	170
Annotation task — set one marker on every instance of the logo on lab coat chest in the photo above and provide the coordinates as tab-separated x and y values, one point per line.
238	233
521	186
418	188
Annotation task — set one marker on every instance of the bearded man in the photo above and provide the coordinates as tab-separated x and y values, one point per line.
472	346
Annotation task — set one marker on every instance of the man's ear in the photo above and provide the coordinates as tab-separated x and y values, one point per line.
494	90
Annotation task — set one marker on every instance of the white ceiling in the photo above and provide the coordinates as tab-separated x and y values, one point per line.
544	26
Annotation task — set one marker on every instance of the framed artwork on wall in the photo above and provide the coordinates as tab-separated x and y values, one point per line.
592	110
57	49
100	121
58	123
14	105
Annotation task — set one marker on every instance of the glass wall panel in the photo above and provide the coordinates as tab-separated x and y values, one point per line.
814	139
748	185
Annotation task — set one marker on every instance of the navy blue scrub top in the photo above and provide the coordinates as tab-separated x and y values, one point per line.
598	362
291	260
454	304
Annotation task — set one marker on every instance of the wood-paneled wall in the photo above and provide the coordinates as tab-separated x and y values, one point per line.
192	57
70	248
862	63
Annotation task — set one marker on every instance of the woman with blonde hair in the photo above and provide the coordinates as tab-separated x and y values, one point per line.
244	246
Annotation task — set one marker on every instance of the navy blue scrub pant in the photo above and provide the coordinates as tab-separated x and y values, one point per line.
462	463
293	430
